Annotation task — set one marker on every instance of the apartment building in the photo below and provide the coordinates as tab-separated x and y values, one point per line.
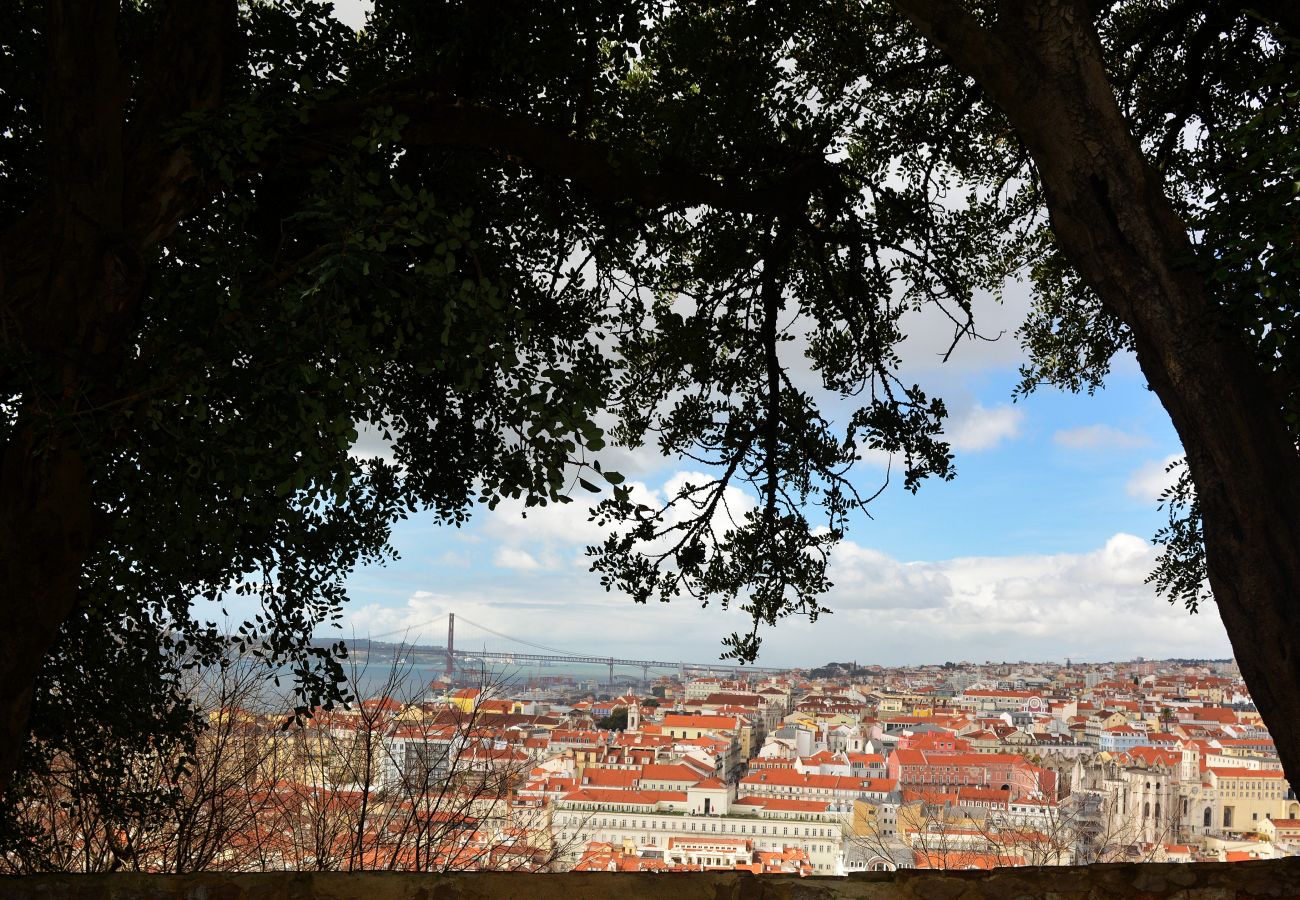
651	820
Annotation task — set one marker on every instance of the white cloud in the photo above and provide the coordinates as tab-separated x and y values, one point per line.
982	428
1089	605
370	443
930	335
868	579
533	538
421	619
513	524
876	459
1152	478
514	558
1098	437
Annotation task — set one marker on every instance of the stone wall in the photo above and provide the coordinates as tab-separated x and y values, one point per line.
1200	881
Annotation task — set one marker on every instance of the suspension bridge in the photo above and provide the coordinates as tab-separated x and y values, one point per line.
412	633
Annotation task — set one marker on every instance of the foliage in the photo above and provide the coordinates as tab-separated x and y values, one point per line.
837	670
615	721
1180	566
258	793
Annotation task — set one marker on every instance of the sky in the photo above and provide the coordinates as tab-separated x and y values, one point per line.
1038	550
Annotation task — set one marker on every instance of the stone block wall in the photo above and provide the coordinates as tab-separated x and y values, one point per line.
1200	881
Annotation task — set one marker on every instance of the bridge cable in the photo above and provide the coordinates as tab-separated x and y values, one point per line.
520	640
405	629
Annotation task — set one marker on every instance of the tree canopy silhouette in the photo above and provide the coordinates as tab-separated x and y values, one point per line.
505	235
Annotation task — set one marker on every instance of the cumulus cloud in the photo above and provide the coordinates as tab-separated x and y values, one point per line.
875	459
1091	605
982	428
930	334
1151	479
420	619
514	558
1098	437
867	579
512	523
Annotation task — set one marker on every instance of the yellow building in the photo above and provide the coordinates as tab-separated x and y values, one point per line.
890	704
1246	797
466	699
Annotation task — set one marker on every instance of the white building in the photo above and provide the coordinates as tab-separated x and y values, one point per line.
648	820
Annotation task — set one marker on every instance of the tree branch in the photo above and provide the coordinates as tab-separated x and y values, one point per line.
187	72
1285	14
978	51
775	261
607	174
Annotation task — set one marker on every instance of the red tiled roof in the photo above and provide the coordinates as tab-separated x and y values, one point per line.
1243	772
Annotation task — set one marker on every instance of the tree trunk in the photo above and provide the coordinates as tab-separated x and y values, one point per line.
72	278
80	284
1043	66
60	272
44	530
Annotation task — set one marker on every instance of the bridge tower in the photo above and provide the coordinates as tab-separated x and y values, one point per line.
451	646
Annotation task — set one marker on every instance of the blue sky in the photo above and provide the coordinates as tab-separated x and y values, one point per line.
1058	481
1037	550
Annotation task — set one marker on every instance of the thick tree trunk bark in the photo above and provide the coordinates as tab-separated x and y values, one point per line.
1042	65
44	535
72	277
65	278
